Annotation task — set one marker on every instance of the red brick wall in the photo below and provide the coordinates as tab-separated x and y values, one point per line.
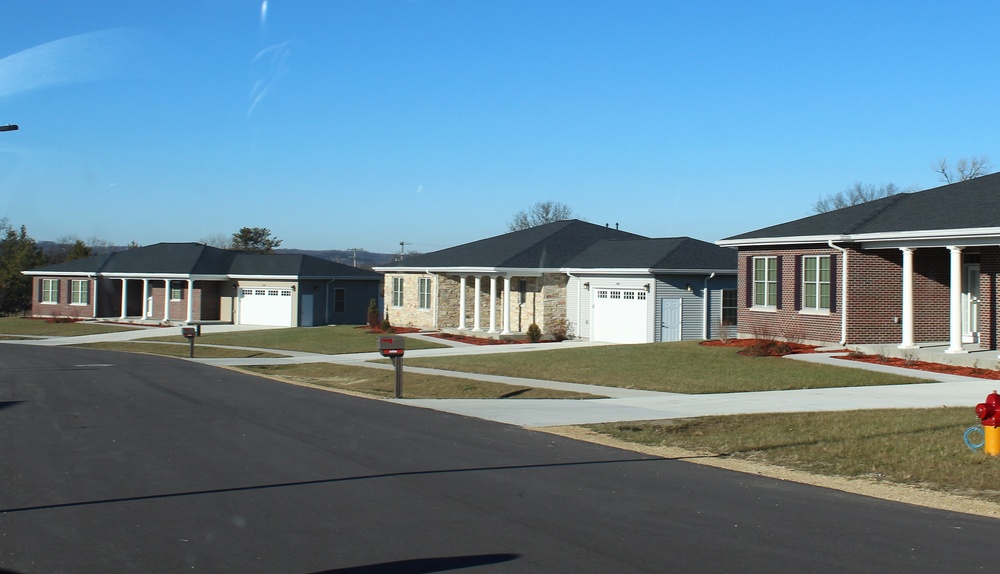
989	278
874	297
63	308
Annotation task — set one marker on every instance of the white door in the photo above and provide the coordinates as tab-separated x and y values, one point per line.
619	316
670	320
970	303
266	306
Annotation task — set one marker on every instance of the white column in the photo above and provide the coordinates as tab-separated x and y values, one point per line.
477	324
166	300
462	284
147	308
506	307
124	296
493	304
190	301
955	305
907	342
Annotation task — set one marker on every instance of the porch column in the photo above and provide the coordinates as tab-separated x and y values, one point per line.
506	307
147	309
477	324
907	342
124	297
166	300
955	305
493	304
462	284
190	301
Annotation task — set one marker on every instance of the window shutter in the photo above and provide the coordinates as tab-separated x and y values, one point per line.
833	283
798	283
749	281
777	265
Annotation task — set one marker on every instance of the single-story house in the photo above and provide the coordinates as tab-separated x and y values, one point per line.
568	277
192	283
907	269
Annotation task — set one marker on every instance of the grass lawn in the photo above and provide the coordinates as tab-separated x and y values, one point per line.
327	340
921	447
42	327
200	352
684	367
382	382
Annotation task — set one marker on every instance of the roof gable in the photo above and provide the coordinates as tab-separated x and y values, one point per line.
970	204
548	246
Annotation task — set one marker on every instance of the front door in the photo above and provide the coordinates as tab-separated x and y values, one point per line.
670	320
970	303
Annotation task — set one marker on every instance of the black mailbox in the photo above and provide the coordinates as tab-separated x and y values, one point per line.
391	346
188	332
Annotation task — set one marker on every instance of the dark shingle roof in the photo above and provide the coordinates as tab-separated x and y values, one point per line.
967	204
198	259
548	246
668	253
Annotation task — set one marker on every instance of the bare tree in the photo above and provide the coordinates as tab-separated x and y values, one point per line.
965	168
853	195
220	240
539	214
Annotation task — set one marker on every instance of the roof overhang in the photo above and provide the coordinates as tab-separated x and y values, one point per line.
506	271
976	236
795	240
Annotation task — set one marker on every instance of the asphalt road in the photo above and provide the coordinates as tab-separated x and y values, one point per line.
129	463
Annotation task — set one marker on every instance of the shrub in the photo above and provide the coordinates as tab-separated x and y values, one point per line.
386	327
557	328
534	333
373	314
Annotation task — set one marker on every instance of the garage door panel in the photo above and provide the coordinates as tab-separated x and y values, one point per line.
266	306
619	315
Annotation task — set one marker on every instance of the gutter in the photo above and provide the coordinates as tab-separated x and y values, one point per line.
707	316
843	294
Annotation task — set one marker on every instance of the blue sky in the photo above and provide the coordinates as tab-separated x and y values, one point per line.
341	124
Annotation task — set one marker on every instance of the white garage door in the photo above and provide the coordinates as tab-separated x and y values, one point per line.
619	315
266	306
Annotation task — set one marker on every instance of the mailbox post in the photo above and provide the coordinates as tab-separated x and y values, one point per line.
393	348
189	333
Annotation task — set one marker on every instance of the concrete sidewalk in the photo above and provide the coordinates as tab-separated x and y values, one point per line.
621	404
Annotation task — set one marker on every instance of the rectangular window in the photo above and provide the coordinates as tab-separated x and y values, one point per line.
81	291
339	300
424	293
816	282
397	291
729	306
765	281
176	290
50	290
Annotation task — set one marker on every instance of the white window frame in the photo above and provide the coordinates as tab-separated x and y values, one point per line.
50	291
80	292
397	291
176	293
813	284
424	293
765	282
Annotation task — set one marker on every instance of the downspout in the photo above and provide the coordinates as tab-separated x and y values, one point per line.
843	294
707	315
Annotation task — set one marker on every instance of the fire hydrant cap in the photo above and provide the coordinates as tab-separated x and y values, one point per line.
987	411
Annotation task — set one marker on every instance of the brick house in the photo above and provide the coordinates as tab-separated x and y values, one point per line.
192	283
589	281
908	269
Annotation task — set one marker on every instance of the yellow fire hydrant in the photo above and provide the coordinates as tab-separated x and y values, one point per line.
989	415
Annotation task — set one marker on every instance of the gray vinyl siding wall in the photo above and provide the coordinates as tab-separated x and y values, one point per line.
692	304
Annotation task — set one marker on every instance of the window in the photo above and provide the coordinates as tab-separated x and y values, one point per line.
765	281
176	290
81	291
816	282
339	300
397	291
50	290
729	306
424	293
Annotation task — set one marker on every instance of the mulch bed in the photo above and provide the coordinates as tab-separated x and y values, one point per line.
873	359
788	348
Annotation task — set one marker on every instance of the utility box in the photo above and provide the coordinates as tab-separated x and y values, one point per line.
391	346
